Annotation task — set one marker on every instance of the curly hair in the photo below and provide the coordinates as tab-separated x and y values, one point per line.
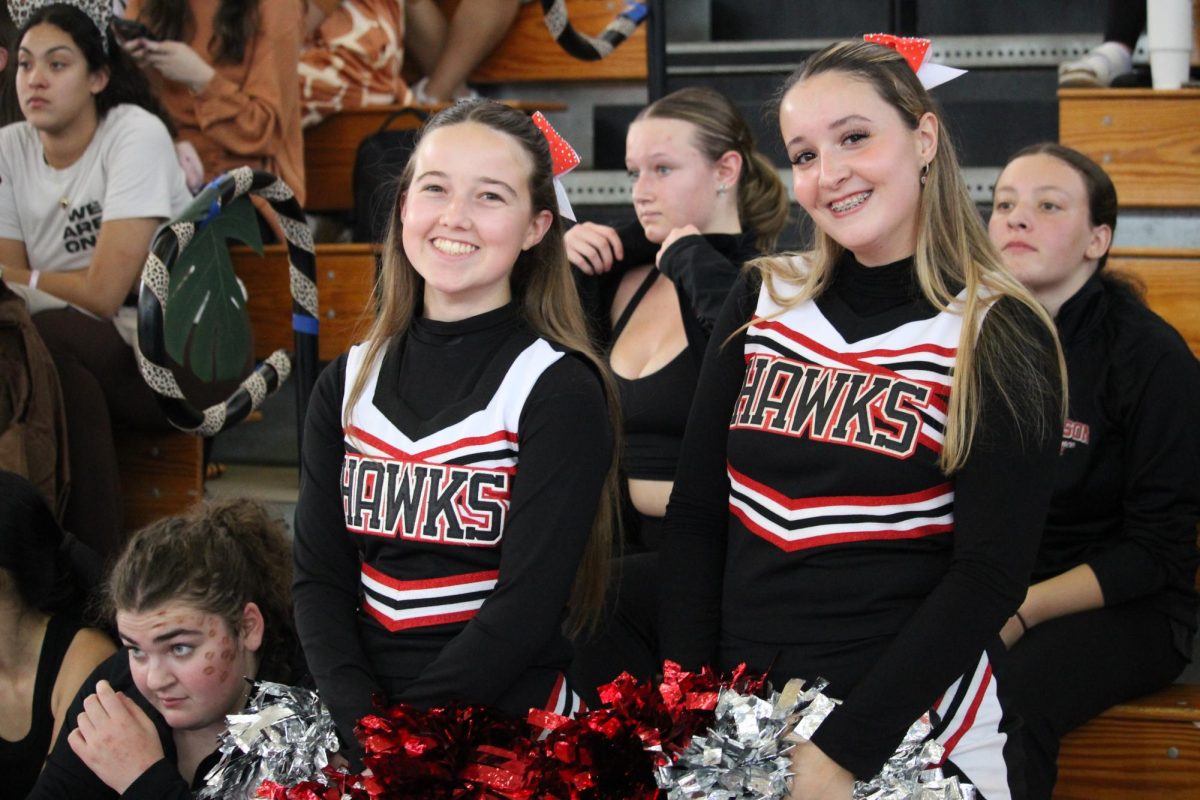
217	557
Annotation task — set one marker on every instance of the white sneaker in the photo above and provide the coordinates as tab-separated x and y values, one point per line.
421	98
1096	69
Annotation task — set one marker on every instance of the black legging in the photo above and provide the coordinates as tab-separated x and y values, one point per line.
1065	671
102	391
626	638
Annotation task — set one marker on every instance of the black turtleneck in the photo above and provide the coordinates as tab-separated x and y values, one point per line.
508	654
1127	498
863	301
895	621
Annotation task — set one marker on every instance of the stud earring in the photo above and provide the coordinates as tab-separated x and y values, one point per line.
925	173
721	189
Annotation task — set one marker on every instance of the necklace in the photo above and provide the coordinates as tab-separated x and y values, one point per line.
64	202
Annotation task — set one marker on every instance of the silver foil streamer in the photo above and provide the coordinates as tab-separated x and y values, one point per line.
284	735
746	754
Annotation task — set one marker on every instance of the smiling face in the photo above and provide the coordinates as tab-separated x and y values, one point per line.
55	88
856	165
467	215
189	664
674	184
1041	224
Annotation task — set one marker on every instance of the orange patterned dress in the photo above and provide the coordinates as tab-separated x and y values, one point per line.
354	59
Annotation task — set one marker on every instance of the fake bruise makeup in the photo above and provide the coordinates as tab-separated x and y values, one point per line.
188	663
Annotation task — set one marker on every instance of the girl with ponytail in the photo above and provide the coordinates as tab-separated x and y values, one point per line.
707	201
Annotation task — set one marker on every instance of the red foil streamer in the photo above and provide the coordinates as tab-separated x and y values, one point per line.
474	753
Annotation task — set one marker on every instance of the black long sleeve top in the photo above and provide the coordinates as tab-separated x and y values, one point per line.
891	622
66	777
431	383
1127	497
703	269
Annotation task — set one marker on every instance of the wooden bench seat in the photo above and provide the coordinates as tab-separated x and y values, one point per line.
1144	138
345	284
1149	747
529	54
161	474
1172	282
330	147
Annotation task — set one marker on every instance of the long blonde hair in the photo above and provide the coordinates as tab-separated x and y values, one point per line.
953	253
544	291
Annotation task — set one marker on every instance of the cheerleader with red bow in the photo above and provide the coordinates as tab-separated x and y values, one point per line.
870	453
457	475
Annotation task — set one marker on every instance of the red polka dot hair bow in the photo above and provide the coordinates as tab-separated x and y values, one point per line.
916	53
565	159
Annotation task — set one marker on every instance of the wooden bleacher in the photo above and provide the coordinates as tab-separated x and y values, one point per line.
1145	139
330	147
1172	282
161	474
1147	142
345	283
527	54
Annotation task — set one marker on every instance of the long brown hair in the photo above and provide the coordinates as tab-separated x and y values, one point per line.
543	289
762	198
953	253
217	558
235	24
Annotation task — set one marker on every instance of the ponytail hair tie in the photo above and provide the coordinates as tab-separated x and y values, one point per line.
565	159
916	52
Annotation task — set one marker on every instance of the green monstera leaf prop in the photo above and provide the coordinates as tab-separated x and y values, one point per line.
205	323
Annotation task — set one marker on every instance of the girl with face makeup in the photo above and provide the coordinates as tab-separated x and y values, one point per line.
202	603
868	415
1113	584
457	475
